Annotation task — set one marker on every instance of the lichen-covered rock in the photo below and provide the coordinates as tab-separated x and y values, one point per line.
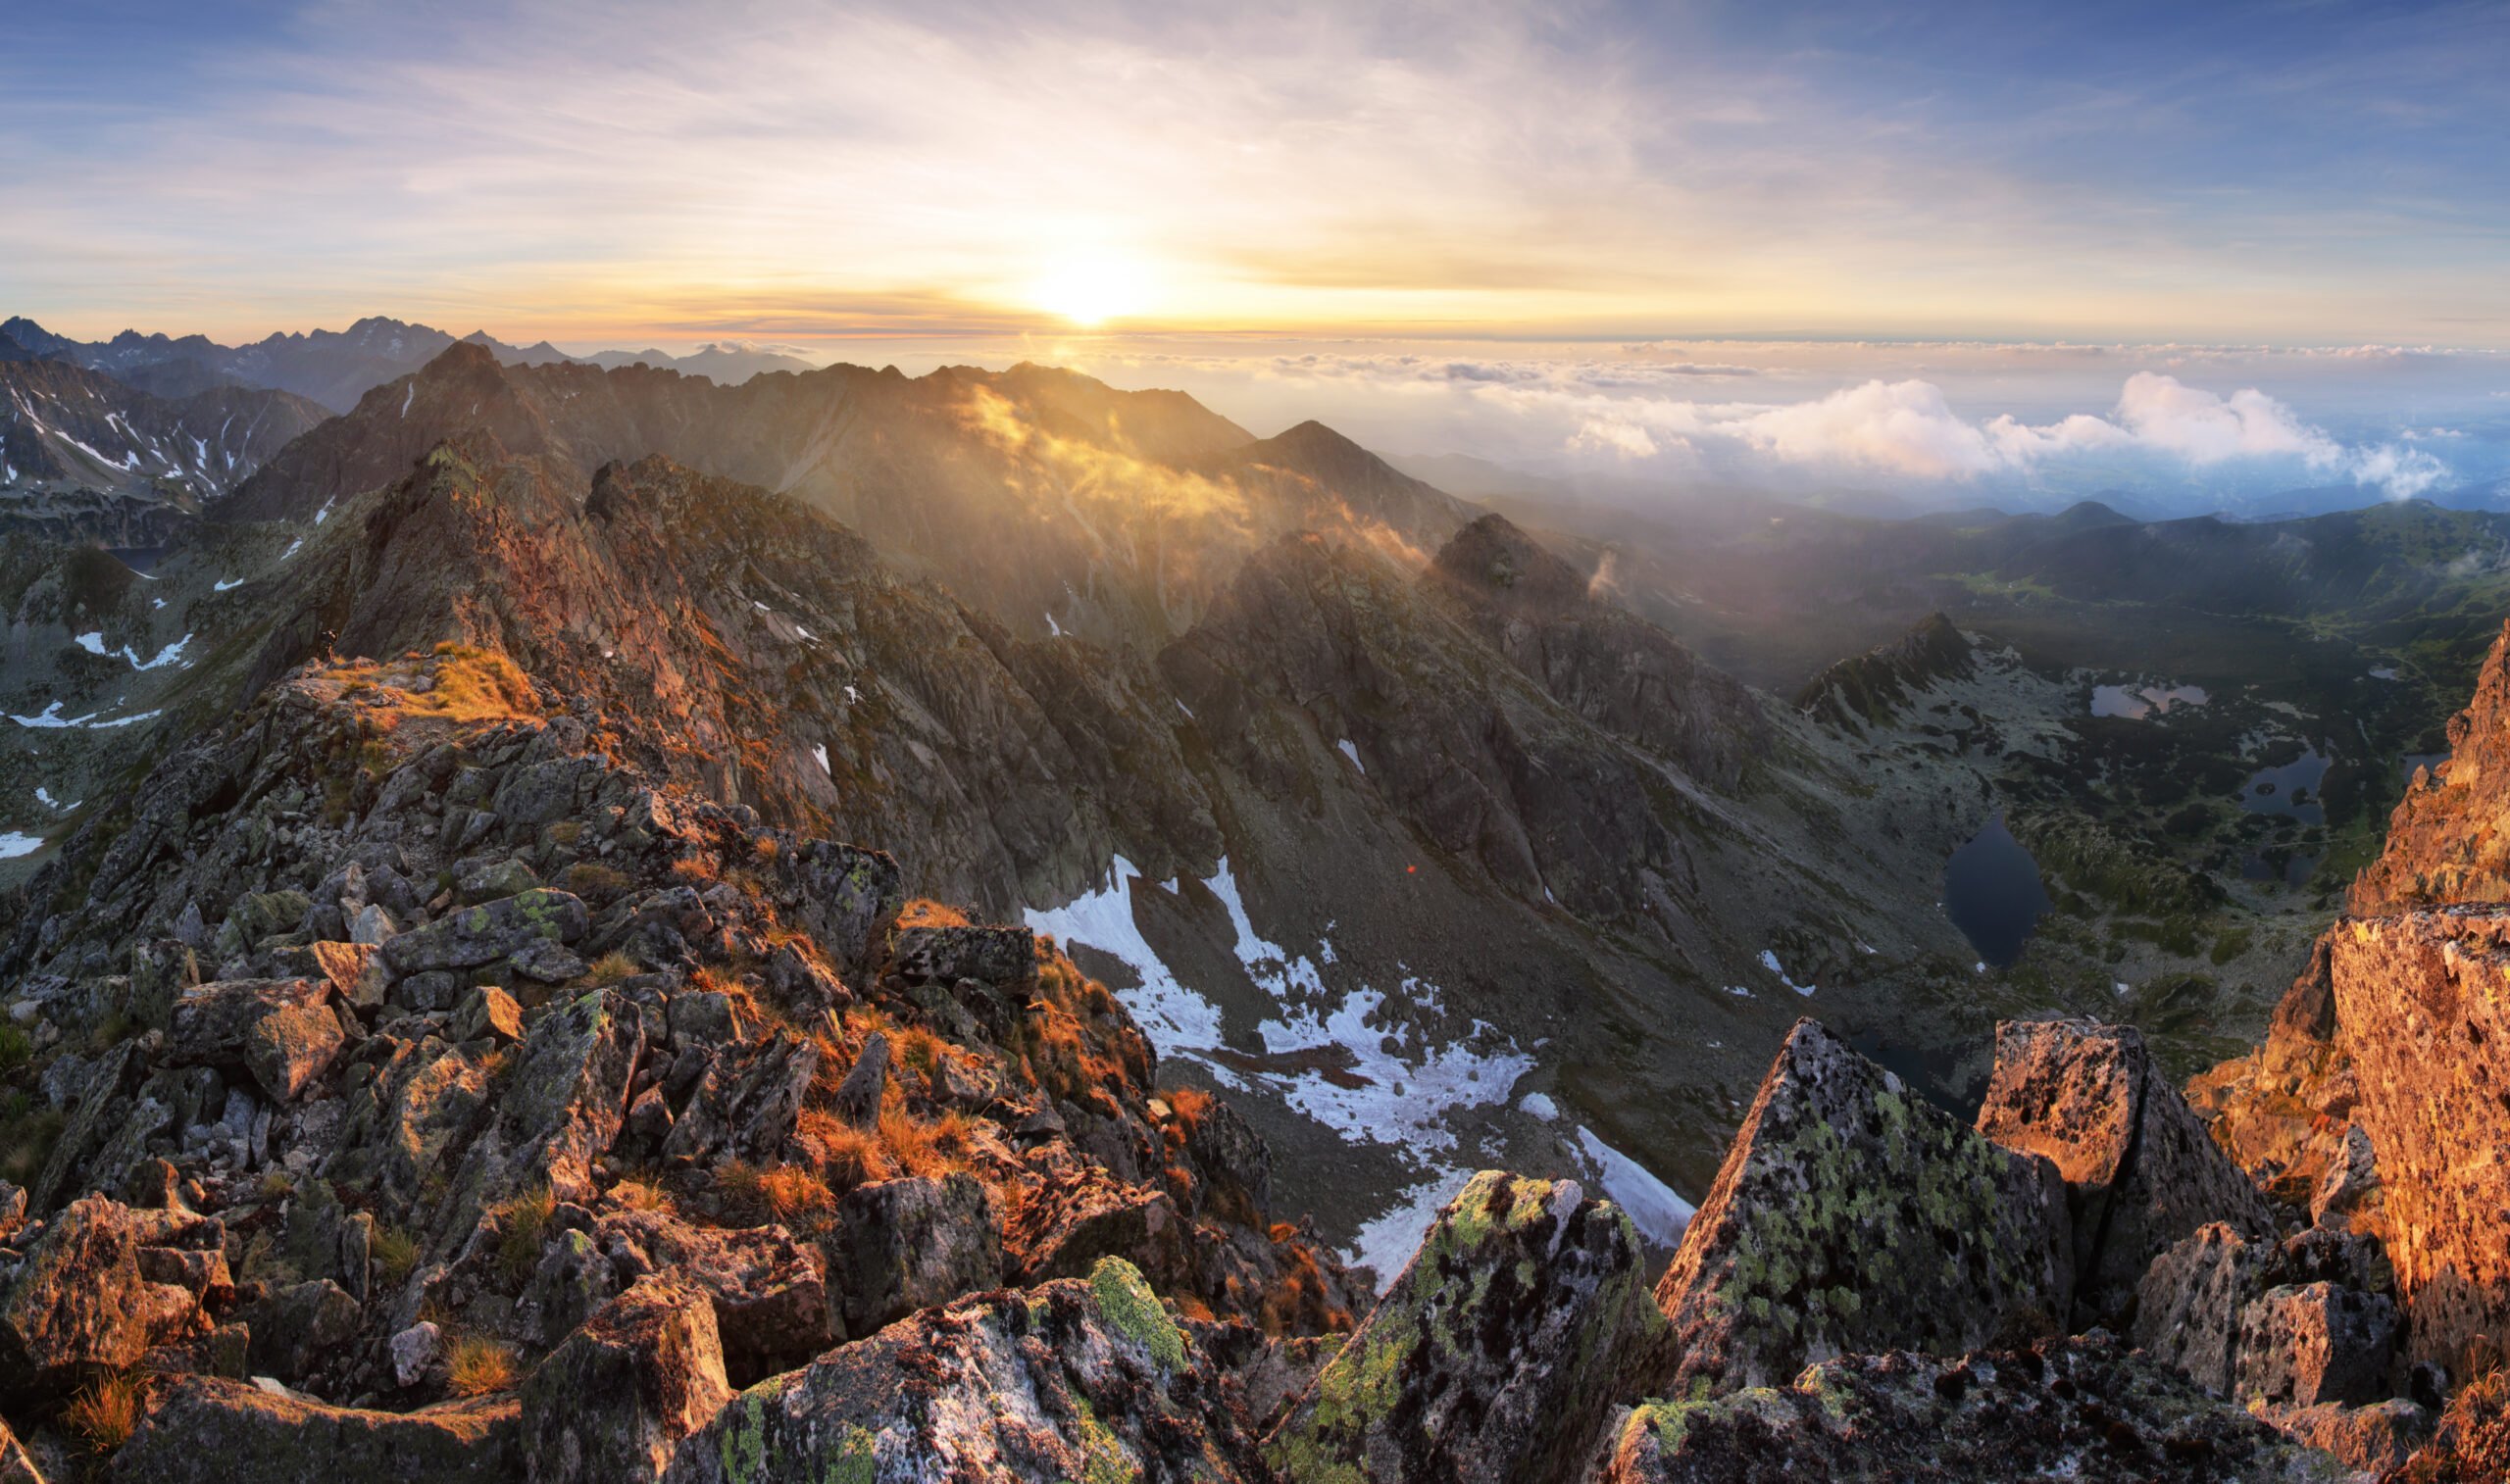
569	1094
2082	1409
83	1298
911	1243
614	1399
2422	999
2307	1344
768	1291
1079	1379
1004	956
850	897
292	1328
2374	1439
2190	1306
1495	1356
2141	1171
487	1013
281	1030
745	1105
2352	1184
478	935
206	1430
1850	1216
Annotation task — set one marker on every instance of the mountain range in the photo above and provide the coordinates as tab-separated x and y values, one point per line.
334	368
501	876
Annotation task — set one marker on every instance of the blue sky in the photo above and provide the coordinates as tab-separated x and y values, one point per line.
1180	186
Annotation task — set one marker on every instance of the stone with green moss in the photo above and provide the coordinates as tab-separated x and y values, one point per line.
1496	1354
2084	1408
1077	1381
1852	1216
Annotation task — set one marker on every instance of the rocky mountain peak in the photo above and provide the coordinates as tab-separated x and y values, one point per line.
1492	555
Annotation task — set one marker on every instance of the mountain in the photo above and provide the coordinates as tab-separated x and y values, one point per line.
82	454
335	368
503	953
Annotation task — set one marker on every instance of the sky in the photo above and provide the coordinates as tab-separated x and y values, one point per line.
1929	247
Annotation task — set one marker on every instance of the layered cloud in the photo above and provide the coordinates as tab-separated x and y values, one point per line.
1906	429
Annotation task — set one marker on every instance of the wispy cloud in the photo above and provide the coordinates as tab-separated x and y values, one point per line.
1462	167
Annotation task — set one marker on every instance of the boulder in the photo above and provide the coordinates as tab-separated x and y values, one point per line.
614	1399
2308	1344
2352	1180
1851	1214
2083	1408
82	1299
772	1304
473	936
1077	1214
283	1031
207	1430
295	1327
2141	1171
487	1013
2373	1438
746	1104
1495	1356
2190	1306
351	972
858	1097
569	1092
849	898
404	1124
1005	955
910	1244
1079	1379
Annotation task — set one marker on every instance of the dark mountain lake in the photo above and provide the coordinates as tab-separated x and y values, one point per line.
2292	789
1991	892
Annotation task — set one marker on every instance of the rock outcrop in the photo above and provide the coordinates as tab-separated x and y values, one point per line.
2141	1171
1075	1379
1852	1216
2076	1408
1495	1356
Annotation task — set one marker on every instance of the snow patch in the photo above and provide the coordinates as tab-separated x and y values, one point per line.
93	643
1052	627
1768	961
1175	1019
1353	753
1540	1105
1655	1208
13	845
224	583
821	753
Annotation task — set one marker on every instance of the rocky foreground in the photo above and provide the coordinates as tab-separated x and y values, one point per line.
404	1085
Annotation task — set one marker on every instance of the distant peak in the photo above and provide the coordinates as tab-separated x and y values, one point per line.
1495	556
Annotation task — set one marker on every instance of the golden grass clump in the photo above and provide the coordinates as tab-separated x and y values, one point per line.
105	1413
639	1194
612	968
521	1225
480	1366
924	912
395	1252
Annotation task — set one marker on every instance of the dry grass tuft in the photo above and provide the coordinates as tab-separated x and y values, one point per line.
480	1366
105	1413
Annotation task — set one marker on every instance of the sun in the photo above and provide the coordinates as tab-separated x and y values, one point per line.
1089	291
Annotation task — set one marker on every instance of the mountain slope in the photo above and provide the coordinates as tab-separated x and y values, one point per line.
82	454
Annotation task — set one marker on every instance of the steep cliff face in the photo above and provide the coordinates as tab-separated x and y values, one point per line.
2381	1098
2448	842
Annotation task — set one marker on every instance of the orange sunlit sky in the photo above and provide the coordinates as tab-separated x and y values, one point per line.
1214	188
